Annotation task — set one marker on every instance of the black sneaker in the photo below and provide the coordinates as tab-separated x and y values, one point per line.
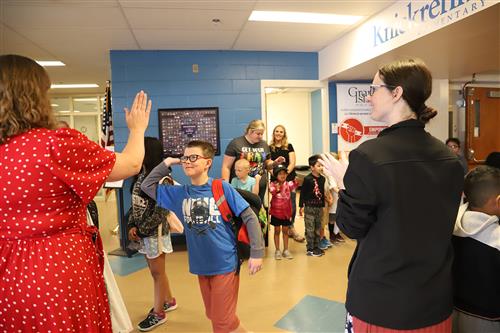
309	253
317	252
151	321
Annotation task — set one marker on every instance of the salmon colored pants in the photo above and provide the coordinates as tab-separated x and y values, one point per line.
220	295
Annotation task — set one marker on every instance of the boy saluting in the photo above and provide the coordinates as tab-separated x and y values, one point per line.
211	241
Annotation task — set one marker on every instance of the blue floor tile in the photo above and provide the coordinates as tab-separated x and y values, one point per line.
314	314
125	266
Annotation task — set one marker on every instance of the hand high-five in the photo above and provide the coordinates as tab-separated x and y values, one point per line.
137	117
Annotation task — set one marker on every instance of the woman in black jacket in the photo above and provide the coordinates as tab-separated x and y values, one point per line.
399	187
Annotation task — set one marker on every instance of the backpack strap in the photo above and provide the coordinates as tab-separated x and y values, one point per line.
220	200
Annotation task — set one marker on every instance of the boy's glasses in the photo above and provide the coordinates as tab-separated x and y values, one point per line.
374	87
192	158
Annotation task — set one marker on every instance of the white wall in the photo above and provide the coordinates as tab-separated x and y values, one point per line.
292	110
439	100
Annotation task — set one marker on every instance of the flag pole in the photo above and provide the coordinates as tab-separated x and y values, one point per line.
107	140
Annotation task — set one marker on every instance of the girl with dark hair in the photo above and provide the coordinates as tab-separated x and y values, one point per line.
148	229
281	147
397	186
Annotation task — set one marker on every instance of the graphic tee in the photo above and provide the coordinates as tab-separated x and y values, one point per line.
211	241
256	154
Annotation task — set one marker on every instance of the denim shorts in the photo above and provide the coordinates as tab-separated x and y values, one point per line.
154	246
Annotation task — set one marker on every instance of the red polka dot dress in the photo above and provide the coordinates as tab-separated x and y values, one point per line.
50	270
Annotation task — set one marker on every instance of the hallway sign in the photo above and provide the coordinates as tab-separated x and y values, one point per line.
353	113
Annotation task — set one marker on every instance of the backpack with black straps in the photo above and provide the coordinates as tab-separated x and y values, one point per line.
240	230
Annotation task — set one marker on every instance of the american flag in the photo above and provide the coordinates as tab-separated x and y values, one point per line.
107	135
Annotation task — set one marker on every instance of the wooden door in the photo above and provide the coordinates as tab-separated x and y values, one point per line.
482	123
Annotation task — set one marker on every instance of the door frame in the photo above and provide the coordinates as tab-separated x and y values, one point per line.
316	84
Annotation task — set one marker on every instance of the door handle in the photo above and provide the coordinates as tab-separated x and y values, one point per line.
471	156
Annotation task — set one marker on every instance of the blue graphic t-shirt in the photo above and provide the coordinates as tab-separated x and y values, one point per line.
210	240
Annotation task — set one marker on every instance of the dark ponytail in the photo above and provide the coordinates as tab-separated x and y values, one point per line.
416	80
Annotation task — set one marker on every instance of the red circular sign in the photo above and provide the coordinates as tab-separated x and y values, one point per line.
351	130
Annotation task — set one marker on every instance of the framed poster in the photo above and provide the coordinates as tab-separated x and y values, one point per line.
177	127
353	115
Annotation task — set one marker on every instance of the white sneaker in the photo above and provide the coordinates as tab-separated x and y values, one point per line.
277	255
287	254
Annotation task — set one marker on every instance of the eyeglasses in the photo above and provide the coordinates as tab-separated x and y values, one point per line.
453	146
192	158
374	87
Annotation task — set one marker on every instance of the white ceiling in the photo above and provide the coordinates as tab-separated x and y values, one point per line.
81	33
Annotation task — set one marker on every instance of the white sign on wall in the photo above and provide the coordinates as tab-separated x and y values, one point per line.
353	115
397	25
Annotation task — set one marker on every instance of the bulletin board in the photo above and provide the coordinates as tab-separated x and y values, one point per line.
177	127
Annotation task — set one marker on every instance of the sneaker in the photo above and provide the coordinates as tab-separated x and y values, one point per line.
328	243
170	306
151	321
322	244
277	255
339	238
287	254
309	253
317	252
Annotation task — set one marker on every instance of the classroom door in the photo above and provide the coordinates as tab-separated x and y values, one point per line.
482	123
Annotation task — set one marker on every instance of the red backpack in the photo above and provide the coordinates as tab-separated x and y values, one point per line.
239	228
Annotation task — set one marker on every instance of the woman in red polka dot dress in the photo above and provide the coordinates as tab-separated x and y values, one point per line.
51	276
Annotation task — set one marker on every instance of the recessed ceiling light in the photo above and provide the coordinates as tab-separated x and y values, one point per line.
76	85
85	99
301	17
50	63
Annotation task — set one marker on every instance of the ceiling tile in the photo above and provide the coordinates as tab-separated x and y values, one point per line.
58	14
177	19
160	39
190	4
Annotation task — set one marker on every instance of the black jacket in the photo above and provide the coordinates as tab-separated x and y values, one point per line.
402	195
476	270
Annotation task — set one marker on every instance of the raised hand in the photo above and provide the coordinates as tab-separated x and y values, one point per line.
169	161
335	168
137	117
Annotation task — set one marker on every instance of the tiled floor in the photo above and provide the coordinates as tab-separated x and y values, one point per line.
305	294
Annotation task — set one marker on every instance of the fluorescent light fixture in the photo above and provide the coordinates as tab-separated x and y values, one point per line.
54	104
50	63
76	85
301	17
85	99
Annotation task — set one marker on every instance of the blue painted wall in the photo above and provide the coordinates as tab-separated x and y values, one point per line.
316	122
227	79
